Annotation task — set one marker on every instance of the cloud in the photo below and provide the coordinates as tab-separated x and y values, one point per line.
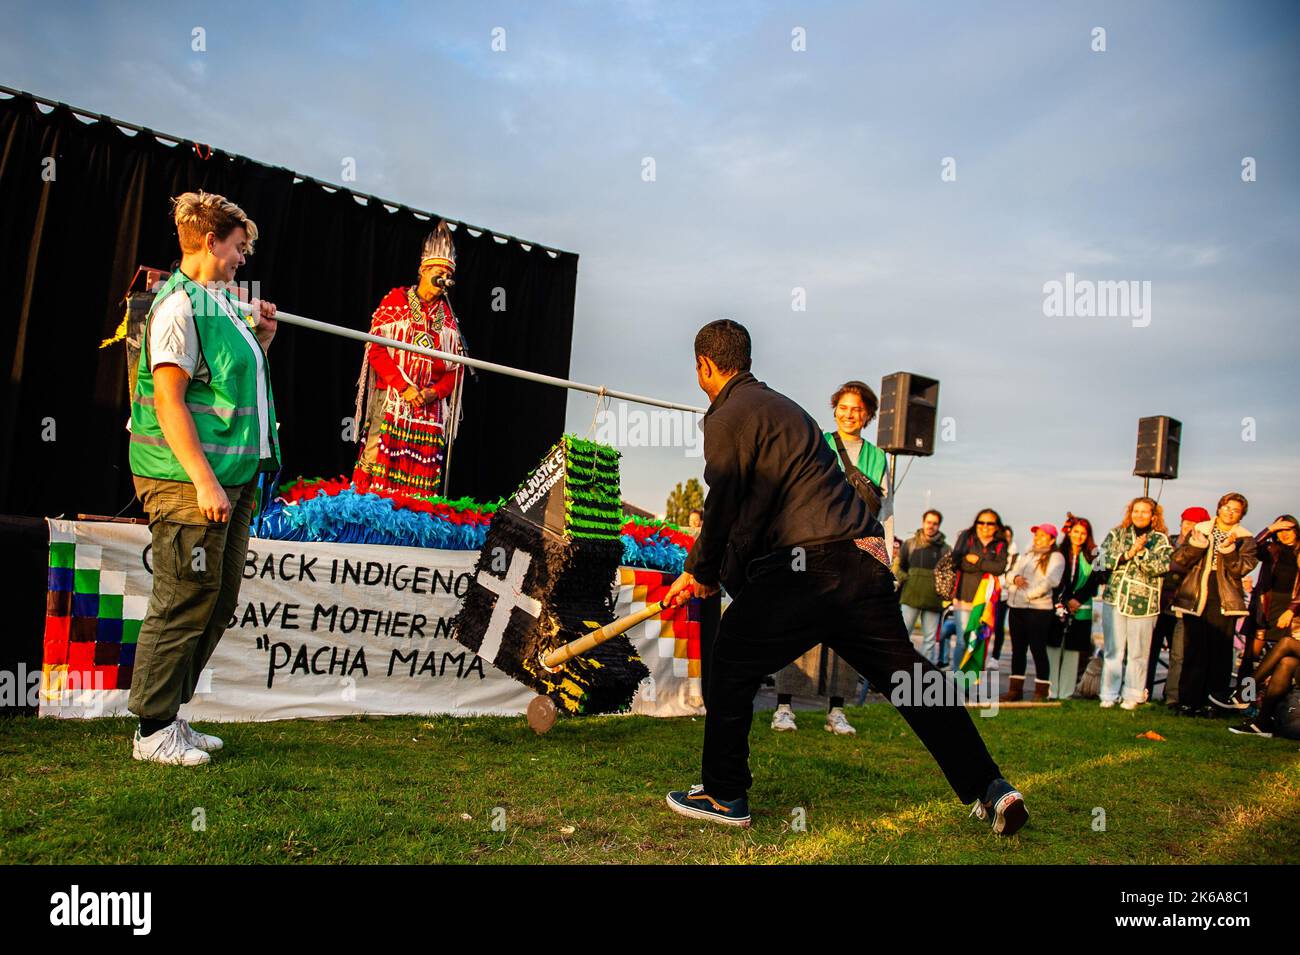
817	170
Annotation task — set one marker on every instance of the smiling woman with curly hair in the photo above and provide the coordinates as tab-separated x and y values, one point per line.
1137	553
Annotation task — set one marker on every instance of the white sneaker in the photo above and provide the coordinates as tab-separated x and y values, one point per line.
1107	704
209	744
837	724
1129	705
783	719
167	746
993	664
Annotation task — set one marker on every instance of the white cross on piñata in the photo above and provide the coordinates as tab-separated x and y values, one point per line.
509	596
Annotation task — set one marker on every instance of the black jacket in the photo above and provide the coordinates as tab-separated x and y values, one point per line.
1173	579
992	560
773	482
1227	572
1068	589
1262	609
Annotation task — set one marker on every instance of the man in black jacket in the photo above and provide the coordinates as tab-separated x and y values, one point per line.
802	557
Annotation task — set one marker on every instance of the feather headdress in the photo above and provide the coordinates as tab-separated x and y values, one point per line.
438	247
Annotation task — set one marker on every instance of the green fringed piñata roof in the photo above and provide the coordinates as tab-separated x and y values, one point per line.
593	502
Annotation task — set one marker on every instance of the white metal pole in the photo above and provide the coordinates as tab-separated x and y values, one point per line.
599	390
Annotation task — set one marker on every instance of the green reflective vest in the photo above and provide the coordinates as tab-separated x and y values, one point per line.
871	460
224	409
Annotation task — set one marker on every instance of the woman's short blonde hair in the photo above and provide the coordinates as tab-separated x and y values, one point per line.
198	213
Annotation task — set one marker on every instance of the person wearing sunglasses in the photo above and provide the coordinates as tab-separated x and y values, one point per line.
980	549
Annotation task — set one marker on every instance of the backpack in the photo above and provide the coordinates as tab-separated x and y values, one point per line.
945	577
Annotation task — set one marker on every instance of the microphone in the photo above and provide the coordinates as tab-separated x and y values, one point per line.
443	281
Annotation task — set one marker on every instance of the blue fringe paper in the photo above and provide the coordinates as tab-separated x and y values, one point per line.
655	554
352	518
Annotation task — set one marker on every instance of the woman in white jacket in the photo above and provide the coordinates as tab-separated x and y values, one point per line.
1032	615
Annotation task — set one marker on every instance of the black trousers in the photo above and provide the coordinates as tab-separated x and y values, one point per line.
1277	670
1030	629
844	598
1277	603
710	611
999	628
1162	636
1207	653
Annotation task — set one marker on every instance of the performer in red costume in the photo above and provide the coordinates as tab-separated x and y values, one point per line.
409	404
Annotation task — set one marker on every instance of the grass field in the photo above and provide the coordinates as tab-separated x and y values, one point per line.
421	790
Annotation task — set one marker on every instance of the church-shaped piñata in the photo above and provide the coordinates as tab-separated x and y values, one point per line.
545	576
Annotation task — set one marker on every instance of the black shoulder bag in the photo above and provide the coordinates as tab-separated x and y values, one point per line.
863	485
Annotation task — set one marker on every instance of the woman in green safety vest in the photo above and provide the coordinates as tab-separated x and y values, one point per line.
202	429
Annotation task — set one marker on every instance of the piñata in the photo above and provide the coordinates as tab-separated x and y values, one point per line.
545	576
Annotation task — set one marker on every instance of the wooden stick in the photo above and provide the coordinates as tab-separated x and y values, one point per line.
562	655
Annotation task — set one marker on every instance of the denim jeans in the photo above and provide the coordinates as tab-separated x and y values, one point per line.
929	628
1128	647
961	615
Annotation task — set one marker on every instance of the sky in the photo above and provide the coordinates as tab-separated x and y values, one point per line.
868	187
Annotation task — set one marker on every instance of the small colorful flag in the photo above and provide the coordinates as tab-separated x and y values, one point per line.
979	625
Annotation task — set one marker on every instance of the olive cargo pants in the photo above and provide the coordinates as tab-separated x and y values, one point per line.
197	568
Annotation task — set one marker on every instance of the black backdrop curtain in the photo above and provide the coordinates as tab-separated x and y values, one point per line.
69	248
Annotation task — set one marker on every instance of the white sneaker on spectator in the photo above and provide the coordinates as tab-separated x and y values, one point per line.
993	664
167	746
203	741
783	719
1129	705
837	723
1107	704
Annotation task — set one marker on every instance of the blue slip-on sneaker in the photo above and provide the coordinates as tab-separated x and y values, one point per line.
1003	806
700	805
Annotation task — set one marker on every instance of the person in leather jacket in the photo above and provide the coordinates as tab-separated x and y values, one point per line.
1214	558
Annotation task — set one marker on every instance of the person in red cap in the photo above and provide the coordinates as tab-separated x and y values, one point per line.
1034	577
1169	628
